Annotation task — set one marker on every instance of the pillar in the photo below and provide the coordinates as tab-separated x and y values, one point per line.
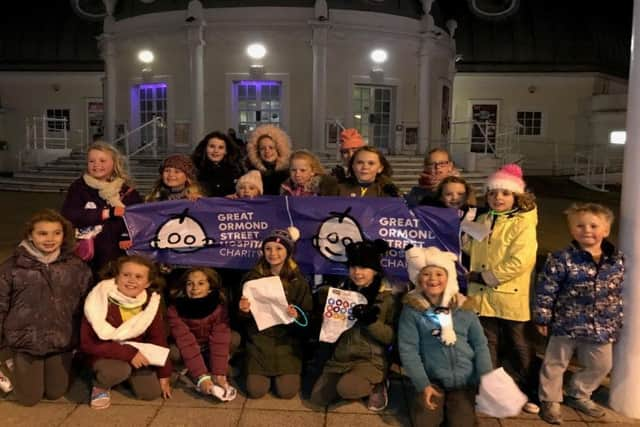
195	39
319	91
424	95
107	47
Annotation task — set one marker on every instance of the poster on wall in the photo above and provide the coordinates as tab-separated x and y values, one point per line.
411	135
483	133
95	119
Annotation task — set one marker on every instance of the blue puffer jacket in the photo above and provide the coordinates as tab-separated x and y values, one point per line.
580	298
427	360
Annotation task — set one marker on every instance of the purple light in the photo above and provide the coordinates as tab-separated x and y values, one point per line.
153	86
259	82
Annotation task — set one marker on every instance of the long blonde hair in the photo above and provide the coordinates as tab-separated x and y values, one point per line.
119	165
311	158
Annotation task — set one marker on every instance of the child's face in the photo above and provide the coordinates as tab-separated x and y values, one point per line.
366	166
439	165
346	154
197	285
501	200
361	276
216	150
174	178
248	190
47	236
301	171
99	165
432	281
275	254
454	195
588	229
132	279
267	150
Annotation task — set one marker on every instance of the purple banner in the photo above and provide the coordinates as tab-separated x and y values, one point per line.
227	233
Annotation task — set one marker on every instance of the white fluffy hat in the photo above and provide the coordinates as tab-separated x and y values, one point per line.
419	258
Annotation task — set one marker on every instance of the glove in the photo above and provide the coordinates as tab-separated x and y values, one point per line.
366	314
125	244
112	212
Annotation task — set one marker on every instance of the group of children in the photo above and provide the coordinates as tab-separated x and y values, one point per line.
445	342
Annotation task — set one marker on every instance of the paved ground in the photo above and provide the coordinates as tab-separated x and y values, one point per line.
187	408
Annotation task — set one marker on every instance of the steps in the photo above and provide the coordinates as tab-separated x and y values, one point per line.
58	175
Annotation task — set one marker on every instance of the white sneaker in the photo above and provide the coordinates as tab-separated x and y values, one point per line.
531	408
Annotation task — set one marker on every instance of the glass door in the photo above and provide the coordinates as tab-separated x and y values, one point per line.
483	132
257	102
152	100
372	114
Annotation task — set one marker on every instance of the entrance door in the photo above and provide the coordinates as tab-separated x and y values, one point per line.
483	131
152	100
372	114
257	102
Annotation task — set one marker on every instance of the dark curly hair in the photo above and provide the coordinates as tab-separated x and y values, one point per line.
199	155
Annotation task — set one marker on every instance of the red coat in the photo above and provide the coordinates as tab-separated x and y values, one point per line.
95	348
193	333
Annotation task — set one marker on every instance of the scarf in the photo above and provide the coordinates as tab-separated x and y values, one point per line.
37	253
197	308
97	304
108	190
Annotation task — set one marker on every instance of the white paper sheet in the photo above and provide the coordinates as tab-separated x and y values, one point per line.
336	316
499	396
477	230
155	354
267	301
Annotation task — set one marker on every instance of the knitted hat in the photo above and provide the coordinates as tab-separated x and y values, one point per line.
180	162
286	238
366	253
252	177
351	138
507	178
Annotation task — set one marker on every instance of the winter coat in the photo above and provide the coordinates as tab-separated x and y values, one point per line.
83	207
201	327
505	258
96	348
41	304
381	187
339	173
219	180
418	196
365	346
426	360
320	185
580	298
273	175
277	350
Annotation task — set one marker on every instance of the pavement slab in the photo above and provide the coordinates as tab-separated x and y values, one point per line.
42	414
279	418
116	415
174	416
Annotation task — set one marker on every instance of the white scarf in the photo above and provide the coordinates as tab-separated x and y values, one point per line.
38	254
108	190
97	304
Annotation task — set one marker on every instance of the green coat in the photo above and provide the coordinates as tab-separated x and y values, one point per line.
277	350
365	346
507	257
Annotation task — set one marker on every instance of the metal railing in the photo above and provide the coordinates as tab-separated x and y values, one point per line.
598	167
156	125
44	132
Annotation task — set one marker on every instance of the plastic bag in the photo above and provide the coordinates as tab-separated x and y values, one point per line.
85	246
499	396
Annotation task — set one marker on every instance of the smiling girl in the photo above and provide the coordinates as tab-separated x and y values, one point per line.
118	310
177	180
217	159
41	290
268	151
370	175
307	177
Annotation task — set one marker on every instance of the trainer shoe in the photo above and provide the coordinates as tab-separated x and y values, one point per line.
378	399
551	412
531	408
100	398
585	405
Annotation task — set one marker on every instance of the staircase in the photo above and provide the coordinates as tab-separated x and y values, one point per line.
59	174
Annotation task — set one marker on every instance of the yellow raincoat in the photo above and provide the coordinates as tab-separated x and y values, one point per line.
507	257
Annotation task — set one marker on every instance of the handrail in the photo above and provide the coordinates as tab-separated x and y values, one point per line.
155	122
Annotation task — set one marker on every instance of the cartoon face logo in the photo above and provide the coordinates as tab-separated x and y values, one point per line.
181	233
335	233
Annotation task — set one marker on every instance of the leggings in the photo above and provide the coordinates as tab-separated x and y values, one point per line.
38	376
286	386
144	381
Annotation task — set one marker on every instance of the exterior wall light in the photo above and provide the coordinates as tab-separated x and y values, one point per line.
145	56
256	51
618	137
379	56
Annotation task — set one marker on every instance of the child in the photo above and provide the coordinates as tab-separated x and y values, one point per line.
359	362
97	201
579	304
455	192
118	314
41	291
446	378
307	177
268	151
177	180
350	142
370	176
200	326
276	353
249	186
217	159
501	268
437	166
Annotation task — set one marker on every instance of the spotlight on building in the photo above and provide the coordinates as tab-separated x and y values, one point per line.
618	137
256	51
145	56
379	56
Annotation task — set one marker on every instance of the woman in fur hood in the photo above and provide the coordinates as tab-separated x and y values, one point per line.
268	151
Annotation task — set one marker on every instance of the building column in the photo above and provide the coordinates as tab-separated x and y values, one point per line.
107	47
625	384
195	39
424	95
319	93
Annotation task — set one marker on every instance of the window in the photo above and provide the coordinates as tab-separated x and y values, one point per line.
58	119
152	102
530	122
258	102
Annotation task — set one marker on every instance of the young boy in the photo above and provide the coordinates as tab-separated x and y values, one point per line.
579	303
